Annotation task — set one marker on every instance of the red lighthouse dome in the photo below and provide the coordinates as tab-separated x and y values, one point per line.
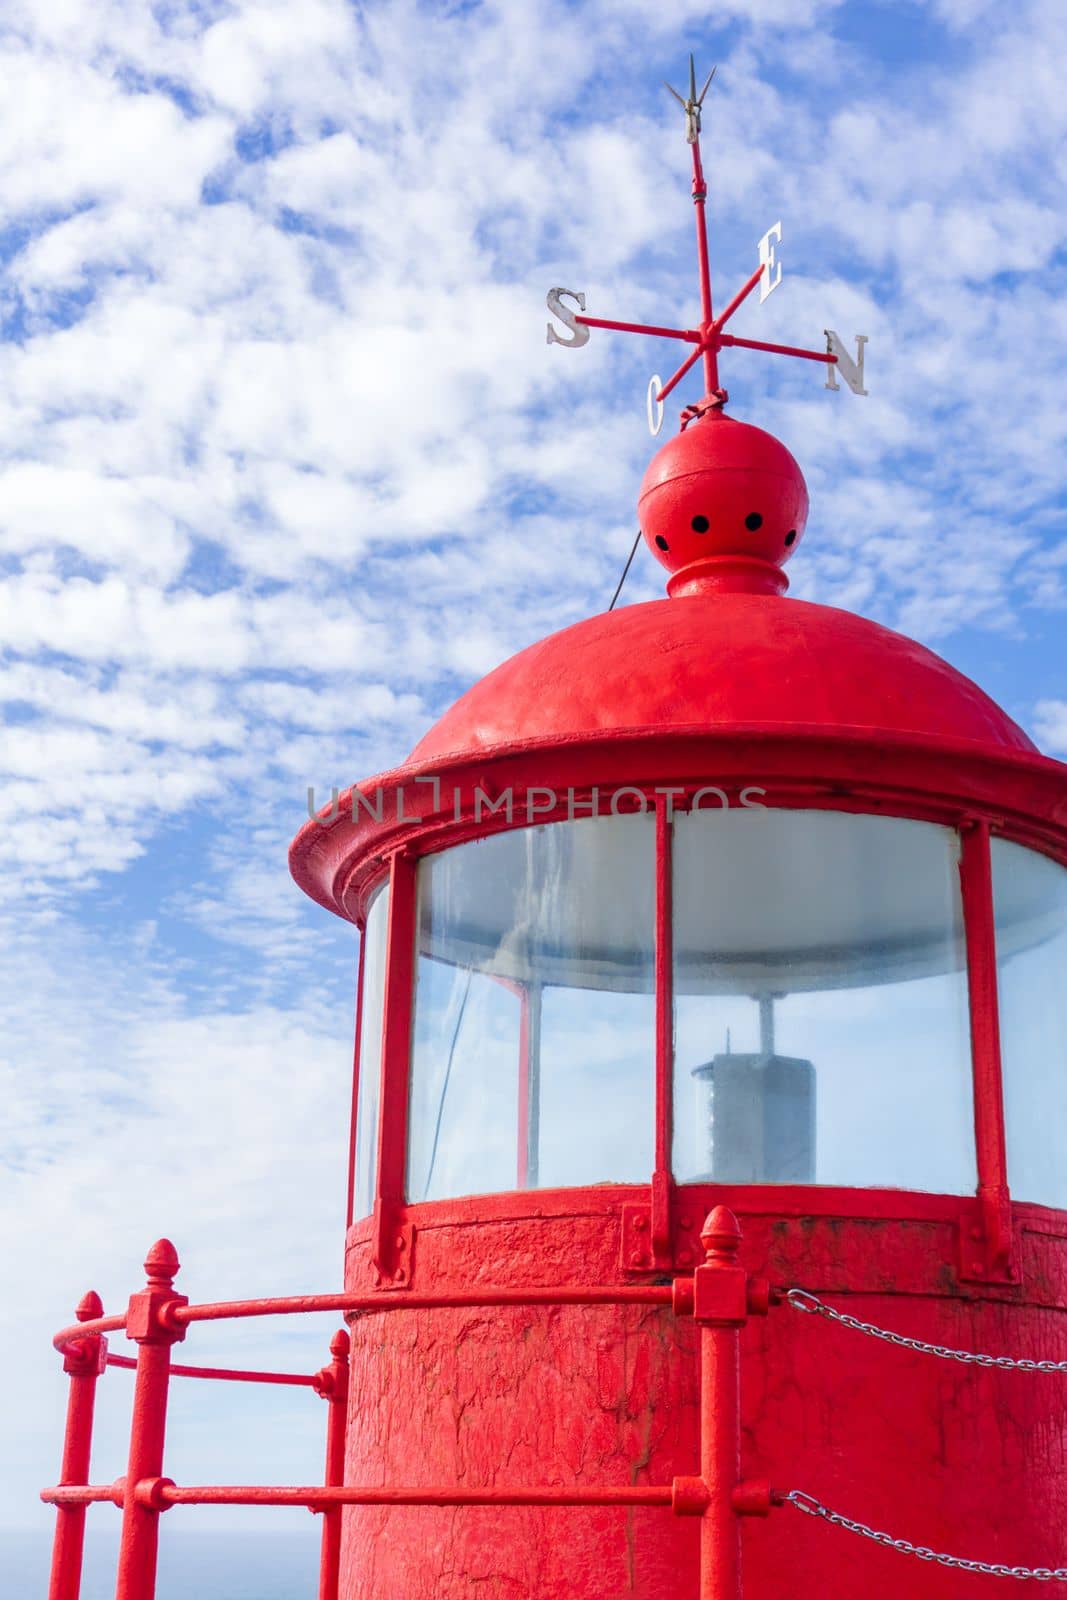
714	664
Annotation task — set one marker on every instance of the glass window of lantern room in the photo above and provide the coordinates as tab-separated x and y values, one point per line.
821	1012
533	1044
368	1093
1030	901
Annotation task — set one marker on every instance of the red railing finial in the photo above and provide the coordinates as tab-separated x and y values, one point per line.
89	1306
161	1265
721	1235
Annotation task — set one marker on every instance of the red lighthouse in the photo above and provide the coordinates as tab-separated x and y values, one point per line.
710	1109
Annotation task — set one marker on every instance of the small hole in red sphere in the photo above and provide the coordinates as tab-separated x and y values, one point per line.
753	521
661	541
790	537
700	524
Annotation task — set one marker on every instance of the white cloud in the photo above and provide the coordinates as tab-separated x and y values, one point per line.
141	1120
1051	723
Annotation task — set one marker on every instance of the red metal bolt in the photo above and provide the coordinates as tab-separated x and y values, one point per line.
759	1296
689	1497
682	1297
151	1493
753	1498
167	1317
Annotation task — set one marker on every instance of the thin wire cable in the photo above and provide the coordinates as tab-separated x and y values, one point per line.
625	570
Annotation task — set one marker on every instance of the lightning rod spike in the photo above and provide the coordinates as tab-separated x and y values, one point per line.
692	78
707	86
675	93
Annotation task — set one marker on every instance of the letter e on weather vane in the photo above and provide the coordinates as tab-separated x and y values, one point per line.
772	267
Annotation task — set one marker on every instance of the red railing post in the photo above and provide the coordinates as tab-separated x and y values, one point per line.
332	1384
149	1323
720	1309
83	1361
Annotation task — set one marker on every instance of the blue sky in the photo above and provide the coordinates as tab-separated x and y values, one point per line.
285	463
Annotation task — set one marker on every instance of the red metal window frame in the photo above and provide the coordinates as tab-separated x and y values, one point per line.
975	875
979	930
399	1006
350	1204
662	1175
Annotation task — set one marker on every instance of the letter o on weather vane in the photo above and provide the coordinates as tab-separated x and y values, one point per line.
654	405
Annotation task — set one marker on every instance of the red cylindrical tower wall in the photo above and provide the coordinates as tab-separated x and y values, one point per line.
957	1458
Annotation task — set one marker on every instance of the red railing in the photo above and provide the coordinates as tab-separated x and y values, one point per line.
719	1296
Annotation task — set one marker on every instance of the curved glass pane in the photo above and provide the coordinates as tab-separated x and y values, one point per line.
533	1047
1030	898
821	1017
370	1053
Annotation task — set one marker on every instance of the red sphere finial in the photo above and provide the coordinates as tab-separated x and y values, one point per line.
723	506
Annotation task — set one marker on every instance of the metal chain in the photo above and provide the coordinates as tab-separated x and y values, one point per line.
802	1300
992	1569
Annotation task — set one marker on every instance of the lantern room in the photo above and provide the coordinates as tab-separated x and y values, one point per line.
707	889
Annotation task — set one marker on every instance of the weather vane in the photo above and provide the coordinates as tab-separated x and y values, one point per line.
709	338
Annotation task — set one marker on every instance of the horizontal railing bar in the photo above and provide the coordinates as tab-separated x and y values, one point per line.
317	1495
627	1294
79	1494
294	1305
83	1330
234	1374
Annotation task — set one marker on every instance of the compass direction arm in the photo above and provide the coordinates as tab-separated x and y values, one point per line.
689	334
779	349
739	298
672	383
708	338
